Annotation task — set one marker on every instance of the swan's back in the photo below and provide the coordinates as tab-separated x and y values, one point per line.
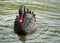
29	22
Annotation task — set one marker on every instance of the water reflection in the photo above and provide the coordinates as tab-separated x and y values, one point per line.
22	38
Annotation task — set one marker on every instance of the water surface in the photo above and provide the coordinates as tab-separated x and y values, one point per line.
47	16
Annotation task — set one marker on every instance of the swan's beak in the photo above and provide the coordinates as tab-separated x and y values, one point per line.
21	18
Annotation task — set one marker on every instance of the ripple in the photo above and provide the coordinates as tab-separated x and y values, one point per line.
47	16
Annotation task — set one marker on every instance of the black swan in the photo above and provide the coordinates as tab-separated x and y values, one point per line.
25	22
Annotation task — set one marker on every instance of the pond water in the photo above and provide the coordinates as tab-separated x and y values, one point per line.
47	17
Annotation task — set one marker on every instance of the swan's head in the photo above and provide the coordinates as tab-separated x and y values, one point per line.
21	12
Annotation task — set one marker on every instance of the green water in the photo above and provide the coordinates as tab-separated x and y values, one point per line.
47	16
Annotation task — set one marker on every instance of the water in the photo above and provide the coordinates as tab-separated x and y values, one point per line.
47	16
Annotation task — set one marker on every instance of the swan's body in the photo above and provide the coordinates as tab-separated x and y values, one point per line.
28	23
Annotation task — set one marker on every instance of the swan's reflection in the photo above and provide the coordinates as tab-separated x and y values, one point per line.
22	38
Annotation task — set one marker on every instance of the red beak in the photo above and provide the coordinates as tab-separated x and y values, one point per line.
20	18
